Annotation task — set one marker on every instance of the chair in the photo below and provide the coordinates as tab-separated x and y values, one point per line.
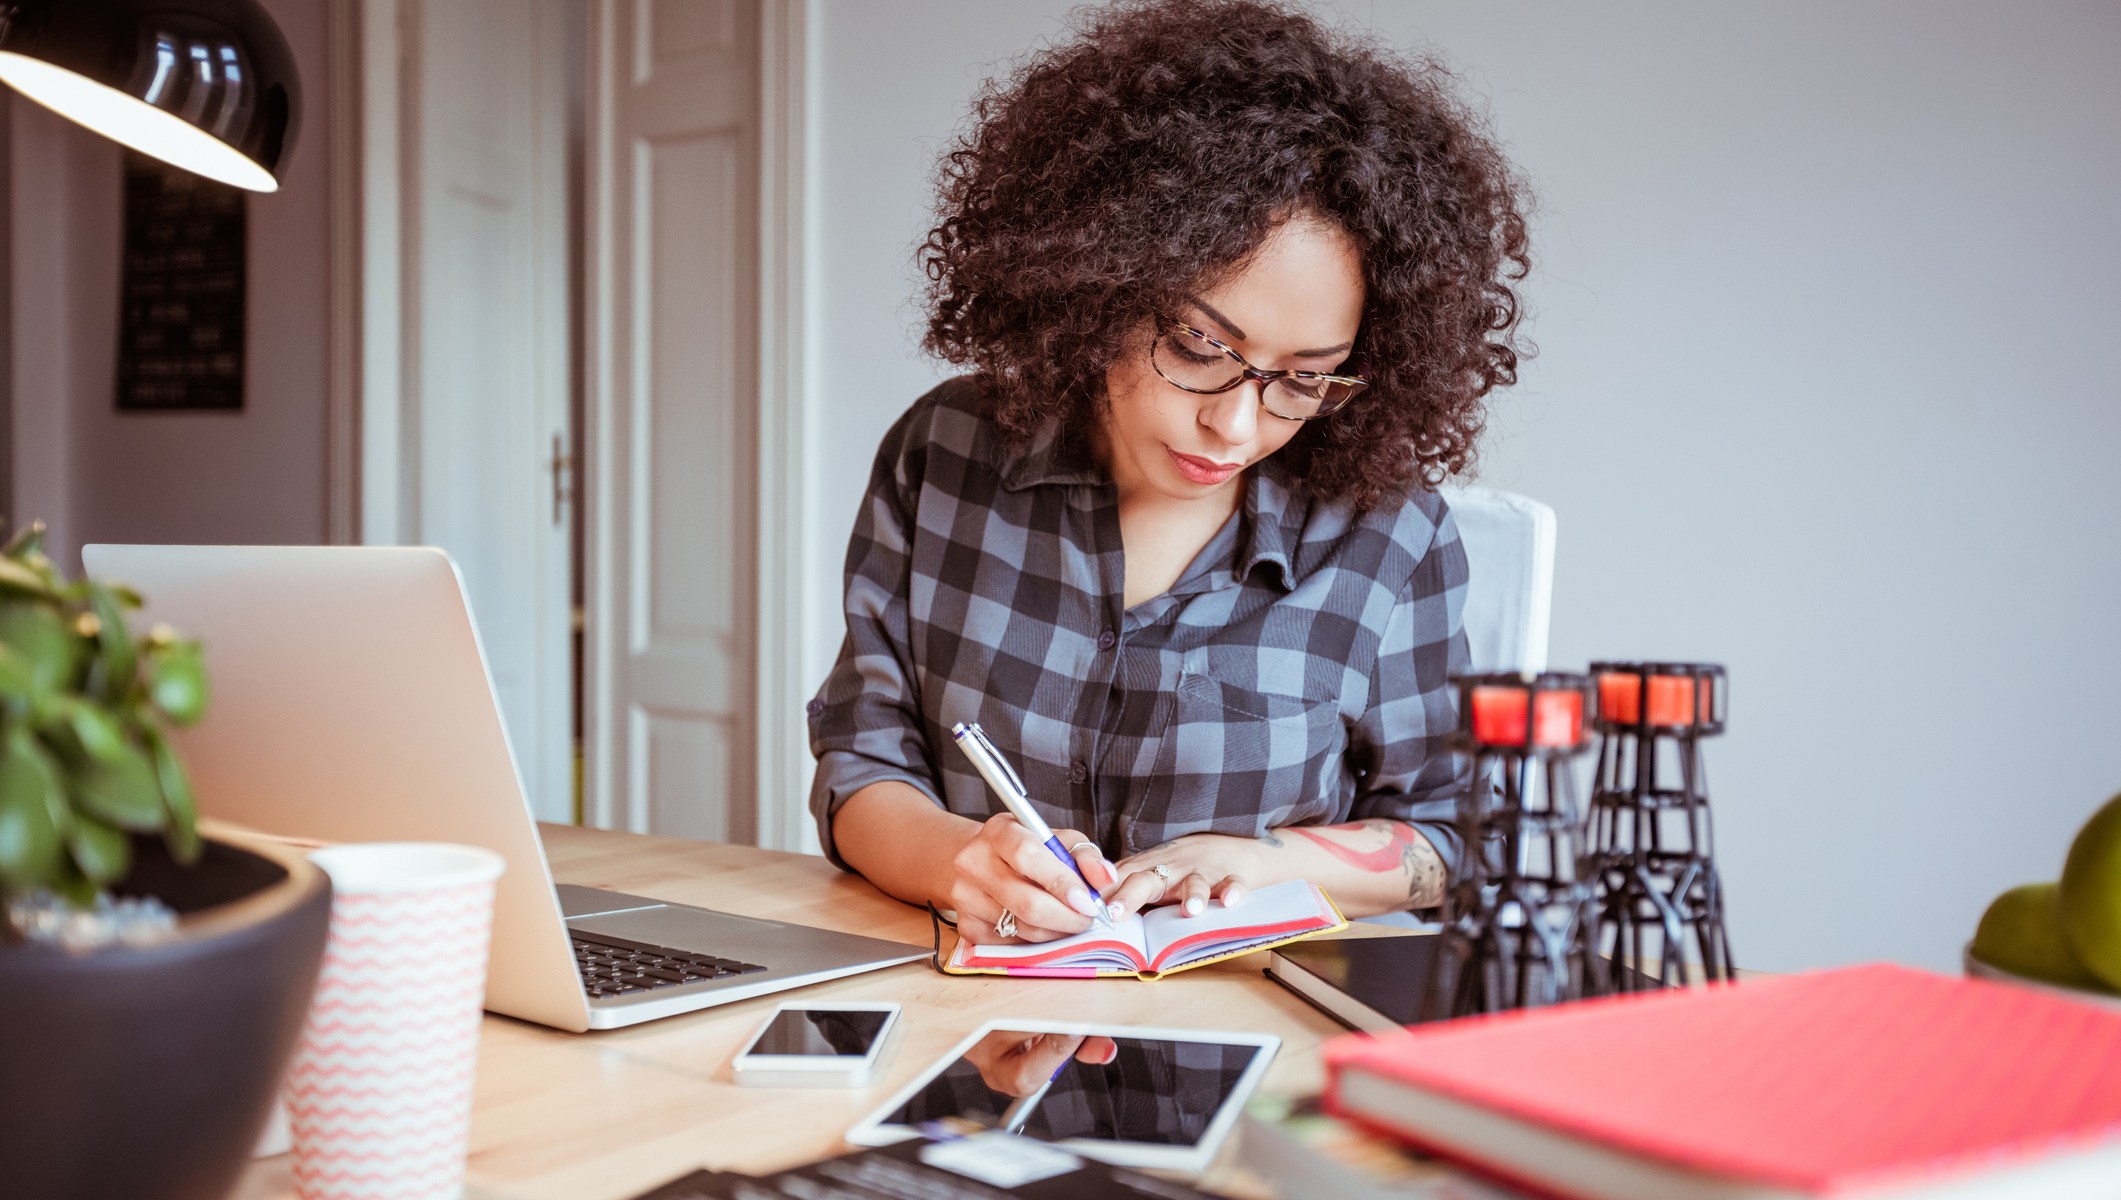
1509	541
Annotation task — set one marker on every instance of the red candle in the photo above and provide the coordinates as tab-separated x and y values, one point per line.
1499	716
1620	697
1671	698
1559	721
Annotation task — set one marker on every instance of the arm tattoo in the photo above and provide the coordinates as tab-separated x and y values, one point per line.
1404	849
1387	857
1425	873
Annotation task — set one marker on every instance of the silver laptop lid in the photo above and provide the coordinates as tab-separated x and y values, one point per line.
350	701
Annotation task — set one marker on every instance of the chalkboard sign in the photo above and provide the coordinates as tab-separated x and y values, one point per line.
180	319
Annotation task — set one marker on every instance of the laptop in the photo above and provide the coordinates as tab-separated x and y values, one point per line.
350	702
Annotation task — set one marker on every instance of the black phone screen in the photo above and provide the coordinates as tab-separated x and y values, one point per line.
822	1032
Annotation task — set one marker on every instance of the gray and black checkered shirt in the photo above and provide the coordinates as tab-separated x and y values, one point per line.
1297	673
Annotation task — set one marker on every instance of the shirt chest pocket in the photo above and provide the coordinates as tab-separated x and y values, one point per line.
1240	762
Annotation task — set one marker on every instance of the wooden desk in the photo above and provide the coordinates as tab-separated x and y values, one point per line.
599	1116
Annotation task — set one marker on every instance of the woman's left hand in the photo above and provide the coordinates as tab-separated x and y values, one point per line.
1203	867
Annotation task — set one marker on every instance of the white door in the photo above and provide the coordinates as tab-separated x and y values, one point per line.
485	329
672	273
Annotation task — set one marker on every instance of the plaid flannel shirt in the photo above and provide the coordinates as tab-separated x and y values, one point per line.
1297	672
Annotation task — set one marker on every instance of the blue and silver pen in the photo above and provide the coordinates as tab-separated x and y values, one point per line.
992	768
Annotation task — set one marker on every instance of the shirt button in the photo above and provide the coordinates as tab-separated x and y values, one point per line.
1077	772
814	707
1107	640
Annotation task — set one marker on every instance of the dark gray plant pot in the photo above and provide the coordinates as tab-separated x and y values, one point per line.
149	1072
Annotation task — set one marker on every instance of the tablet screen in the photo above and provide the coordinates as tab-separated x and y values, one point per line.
1096	1087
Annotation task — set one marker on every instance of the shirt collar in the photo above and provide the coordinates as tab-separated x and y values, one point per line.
1271	507
1049	458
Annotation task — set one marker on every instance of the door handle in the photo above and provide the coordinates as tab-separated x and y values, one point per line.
562	478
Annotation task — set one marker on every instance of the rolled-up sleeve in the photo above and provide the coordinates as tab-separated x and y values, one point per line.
1400	748
865	722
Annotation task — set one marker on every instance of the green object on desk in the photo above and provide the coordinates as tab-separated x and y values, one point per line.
2091	894
2022	933
85	707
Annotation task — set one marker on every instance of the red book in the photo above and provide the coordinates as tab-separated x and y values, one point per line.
1869	1081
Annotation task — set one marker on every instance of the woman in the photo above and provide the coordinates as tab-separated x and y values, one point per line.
1232	289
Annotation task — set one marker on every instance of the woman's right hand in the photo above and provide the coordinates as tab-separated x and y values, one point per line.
1004	868
1018	1064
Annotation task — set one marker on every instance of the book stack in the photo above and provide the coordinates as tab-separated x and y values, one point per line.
1867	1082
1305	1153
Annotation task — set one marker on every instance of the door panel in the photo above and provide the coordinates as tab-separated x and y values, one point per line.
486	347
673	266
681	757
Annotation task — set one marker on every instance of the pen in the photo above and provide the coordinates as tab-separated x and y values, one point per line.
991	766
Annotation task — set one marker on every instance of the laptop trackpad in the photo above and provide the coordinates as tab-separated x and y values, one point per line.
699	930
579	901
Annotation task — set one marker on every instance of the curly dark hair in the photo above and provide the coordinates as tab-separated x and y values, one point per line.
1147	158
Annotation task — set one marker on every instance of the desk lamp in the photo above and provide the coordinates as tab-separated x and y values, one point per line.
1518	919
206	85
1660	899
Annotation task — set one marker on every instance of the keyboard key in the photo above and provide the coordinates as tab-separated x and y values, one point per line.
615	966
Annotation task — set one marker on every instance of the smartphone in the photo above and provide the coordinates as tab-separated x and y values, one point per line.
837	1045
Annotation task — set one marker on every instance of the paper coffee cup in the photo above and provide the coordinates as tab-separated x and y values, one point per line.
380	1091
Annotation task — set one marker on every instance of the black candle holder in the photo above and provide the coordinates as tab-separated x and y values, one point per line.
1518	918
1651	847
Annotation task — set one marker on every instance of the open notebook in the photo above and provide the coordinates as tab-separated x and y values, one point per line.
1163	940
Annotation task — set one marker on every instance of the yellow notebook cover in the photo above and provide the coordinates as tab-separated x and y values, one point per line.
1163	940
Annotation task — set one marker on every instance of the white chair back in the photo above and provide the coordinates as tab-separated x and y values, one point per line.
1509	541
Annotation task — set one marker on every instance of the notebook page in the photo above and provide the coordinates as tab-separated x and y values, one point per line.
1093	947
1294	902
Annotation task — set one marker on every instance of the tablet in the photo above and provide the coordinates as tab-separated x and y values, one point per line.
1129	1095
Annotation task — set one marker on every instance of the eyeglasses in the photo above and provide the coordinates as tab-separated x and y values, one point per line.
1195	362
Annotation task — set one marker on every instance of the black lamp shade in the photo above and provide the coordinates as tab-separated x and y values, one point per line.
208	85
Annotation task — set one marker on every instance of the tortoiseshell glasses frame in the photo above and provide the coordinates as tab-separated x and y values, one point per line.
1192	360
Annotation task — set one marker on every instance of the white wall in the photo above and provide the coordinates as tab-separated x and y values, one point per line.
1828	393
95	474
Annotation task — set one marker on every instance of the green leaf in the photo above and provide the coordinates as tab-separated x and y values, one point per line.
44	641
122	790
101	852
182	833
51	717
26	580
29	833
28	538
74	887
180	683
99	733
17	681
114	641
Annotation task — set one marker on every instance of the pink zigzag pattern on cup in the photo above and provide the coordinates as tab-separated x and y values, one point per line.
380	1095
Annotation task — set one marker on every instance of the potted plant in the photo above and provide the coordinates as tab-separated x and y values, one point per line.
152	982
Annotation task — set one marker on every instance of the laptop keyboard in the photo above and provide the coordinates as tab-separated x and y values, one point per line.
613	966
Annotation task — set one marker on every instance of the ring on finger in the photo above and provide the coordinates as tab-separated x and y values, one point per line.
1162	873
1085	842
1005	925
